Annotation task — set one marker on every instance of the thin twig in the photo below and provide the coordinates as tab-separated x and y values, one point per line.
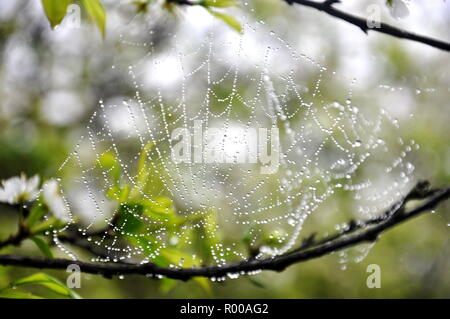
327	7
277	263
76	241
16	239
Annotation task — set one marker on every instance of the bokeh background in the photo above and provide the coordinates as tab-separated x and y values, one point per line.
51	82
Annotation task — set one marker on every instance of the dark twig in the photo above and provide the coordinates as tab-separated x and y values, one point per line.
15	240
420	191
182	2
74	240
327	7
347	239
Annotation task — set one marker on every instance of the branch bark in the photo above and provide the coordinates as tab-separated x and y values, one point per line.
367	231
327	7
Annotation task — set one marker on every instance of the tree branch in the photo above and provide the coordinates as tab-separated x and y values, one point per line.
327	7
367	231
16	239
22	232
183	2
76	241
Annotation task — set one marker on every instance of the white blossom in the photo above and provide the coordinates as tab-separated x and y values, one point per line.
19	189
55	201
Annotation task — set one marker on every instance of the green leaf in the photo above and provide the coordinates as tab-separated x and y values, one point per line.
275	238
231	21
127	220
109	162
96	12
162	209
218	3
49	224
119	194
389	2
166	285
174	256
55	10
206	235
146	175
37	212
144	156
204	283
43	246
47	281
147	243
10	293
256	282
247	236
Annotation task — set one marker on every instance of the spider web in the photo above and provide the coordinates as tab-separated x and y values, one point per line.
330	147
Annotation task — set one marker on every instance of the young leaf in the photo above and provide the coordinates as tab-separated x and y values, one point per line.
36	214
47	281
10	293
231	21
256	282
174	256
146	175
166	285
55	10
147	243
218	3
204	283
96	12
206	235
109	163
275	238
49	224
117	193
127	220
43	246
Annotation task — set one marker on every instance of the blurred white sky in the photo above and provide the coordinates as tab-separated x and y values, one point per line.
308	31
